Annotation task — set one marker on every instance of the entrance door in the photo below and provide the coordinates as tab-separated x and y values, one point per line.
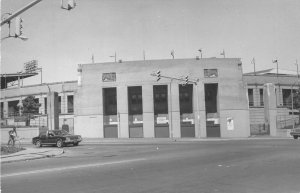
187	121
161	116
212	113
135	112
110	119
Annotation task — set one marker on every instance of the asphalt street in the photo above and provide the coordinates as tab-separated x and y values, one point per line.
239	166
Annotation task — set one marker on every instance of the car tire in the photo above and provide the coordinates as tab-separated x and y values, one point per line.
295	136
38	144
59	143
76	144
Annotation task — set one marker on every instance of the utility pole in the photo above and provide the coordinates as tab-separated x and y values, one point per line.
115	56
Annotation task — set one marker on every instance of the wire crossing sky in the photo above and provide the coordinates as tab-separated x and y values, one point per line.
134	29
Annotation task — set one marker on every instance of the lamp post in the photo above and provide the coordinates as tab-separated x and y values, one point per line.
200	50
50	108
278	92
297	72
41	70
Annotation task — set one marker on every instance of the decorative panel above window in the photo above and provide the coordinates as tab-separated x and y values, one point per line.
210	73
109	77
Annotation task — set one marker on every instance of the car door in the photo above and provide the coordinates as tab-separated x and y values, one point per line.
43	137
51	139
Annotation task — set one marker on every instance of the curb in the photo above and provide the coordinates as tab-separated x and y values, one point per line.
166	140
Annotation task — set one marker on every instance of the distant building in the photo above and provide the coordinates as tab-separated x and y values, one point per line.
285	81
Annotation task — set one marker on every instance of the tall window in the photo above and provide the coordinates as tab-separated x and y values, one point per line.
135	103
110	101
45	104
261	97
186	98
59	104
160	95
70	104
286	93
251	98
13	108
2	109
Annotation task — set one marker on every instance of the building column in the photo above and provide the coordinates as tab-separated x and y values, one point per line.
199	110
52	110
174	110
201	126
270	108
122	104
148	113
5	109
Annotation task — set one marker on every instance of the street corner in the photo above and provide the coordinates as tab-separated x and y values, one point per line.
31	154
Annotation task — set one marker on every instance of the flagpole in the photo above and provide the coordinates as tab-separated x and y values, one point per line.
223	53
278	92
200	50
297	71
253	61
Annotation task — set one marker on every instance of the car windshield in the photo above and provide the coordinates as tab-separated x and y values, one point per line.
60	132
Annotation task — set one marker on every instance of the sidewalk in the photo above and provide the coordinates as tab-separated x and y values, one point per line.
30	154
38	153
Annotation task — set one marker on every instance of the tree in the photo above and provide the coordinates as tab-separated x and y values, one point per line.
296	101
30	107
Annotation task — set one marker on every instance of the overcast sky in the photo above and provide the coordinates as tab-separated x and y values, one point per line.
61	39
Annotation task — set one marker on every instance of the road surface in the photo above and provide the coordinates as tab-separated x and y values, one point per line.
238	166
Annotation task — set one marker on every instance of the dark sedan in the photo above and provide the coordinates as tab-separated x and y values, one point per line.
295	133
56	137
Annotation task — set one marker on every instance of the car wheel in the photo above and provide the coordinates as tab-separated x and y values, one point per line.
59	143
38	143
76	144
295	136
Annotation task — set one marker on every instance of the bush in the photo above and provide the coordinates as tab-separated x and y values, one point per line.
10	149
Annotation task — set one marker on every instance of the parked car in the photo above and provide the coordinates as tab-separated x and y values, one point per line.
56	137
295	133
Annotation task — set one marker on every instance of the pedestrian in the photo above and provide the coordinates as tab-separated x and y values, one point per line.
12	136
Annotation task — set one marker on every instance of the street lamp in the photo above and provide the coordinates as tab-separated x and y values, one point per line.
297	71
200	50
49	105
278	92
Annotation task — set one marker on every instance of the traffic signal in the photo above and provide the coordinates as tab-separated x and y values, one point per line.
186	79
158	75
71	4
19	26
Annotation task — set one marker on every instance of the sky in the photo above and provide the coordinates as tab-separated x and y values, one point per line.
61	39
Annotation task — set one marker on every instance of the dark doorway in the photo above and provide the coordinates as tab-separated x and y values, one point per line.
135	111
212	114
110	118
161	116
187	123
